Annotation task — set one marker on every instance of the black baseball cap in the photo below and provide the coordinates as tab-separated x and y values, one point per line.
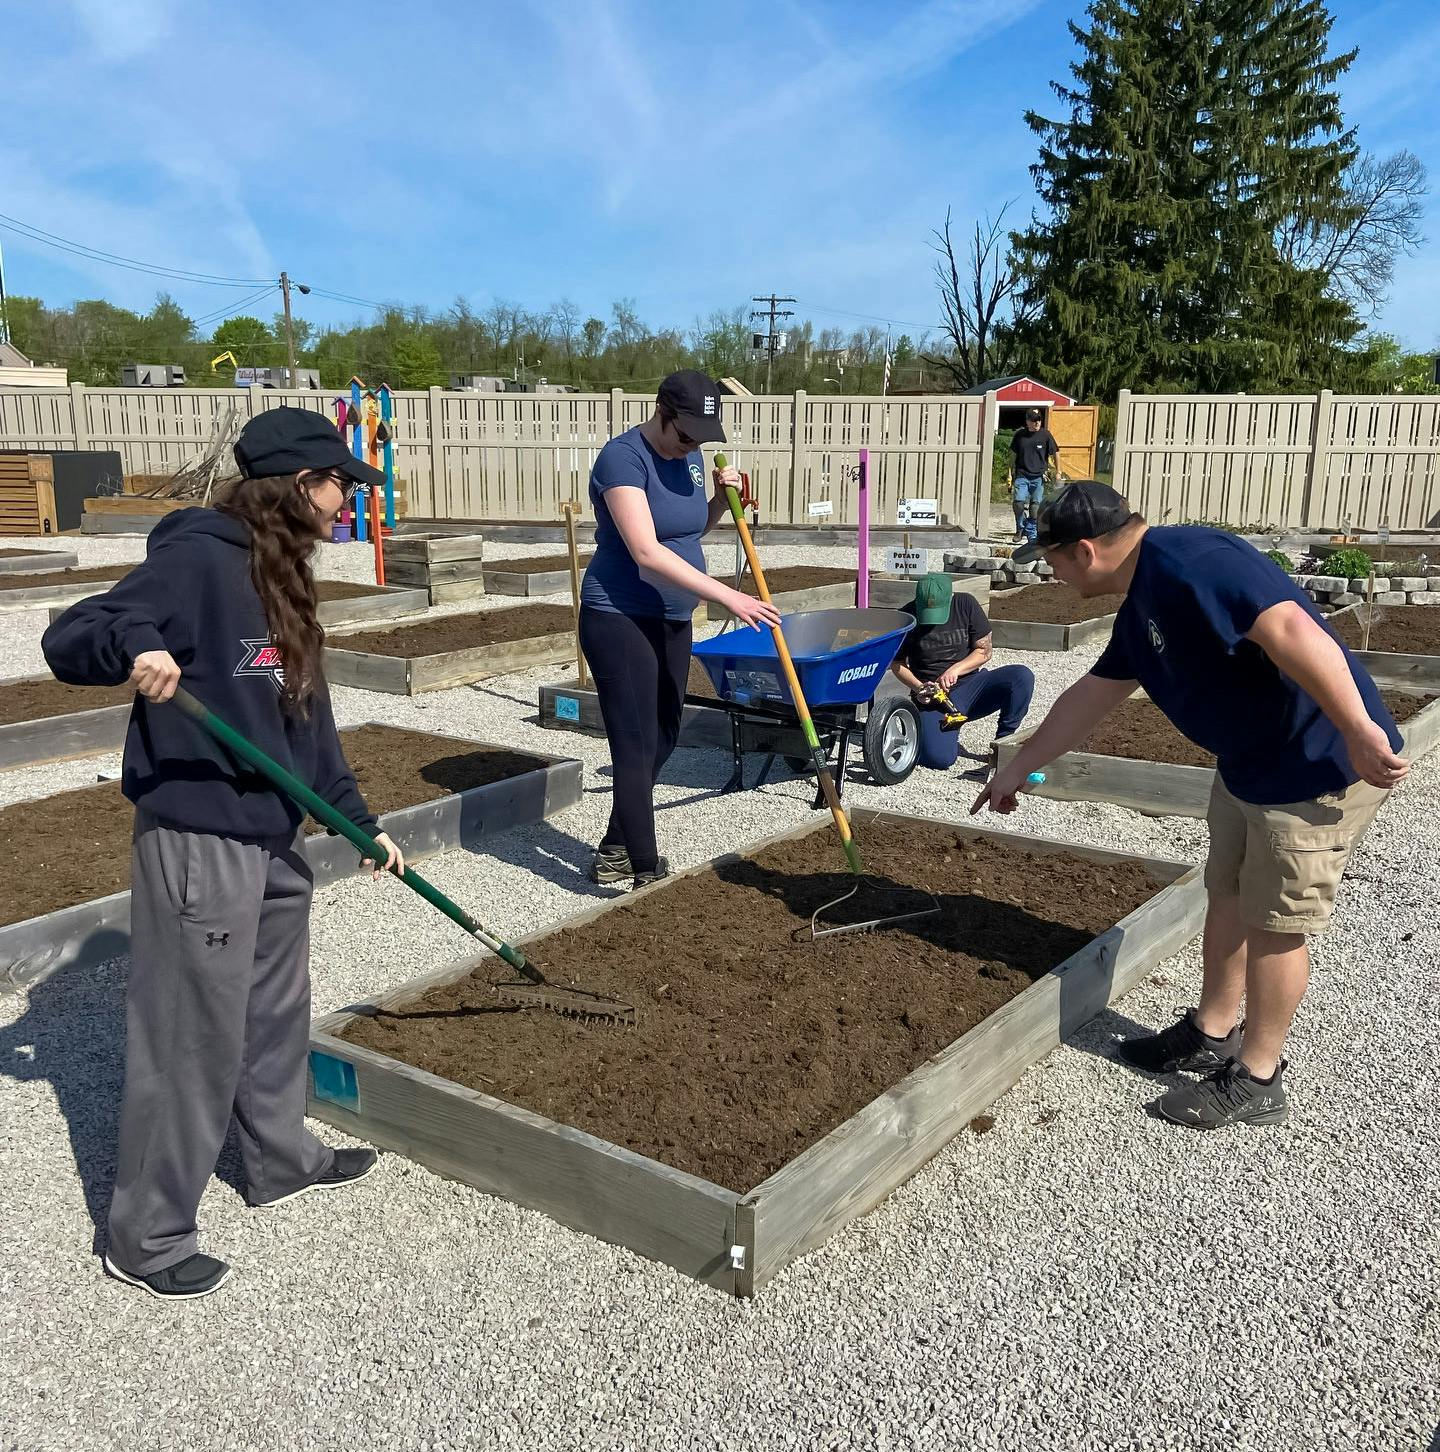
1033	413
287	440
1083	509
694	399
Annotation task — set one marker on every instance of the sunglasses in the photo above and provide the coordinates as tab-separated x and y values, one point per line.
343	482
684	439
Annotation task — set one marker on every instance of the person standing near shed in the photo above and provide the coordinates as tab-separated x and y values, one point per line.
637	599
1032	451
1238	658
218	1002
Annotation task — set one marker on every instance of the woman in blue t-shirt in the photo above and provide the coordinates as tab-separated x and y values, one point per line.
640	591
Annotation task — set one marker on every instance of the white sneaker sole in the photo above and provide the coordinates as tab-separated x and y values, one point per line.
121	1275
317	1185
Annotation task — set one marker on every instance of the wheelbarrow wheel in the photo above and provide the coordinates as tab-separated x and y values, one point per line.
892	741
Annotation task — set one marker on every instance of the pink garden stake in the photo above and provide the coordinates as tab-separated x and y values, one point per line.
862	577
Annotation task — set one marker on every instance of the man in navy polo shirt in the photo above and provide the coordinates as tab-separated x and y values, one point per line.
1239	659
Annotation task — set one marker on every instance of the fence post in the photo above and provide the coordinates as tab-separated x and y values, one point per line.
435	420
1117	455
79	424
989	426
617	410
799	456
1317	466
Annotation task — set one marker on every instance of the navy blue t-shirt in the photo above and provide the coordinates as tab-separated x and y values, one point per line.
675	491
1181	633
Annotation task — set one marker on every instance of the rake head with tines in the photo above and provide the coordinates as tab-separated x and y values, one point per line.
926	904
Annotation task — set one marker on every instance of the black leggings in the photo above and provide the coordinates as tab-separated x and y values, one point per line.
640	664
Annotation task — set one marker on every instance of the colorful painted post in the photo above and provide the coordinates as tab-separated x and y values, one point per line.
344	526
862	574
387	417
357	447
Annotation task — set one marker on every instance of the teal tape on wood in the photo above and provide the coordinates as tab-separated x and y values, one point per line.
567	708
334	1080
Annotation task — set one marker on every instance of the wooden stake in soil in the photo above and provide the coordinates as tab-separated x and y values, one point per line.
570	508
374	495
1369	608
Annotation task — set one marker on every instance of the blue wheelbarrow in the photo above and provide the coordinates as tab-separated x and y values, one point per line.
841	657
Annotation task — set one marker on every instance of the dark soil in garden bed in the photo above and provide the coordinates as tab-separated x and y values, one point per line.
23	554
462	632
74	846
1407	629
534	564
794	577
344	590
47	578
751	1046
1050	605
1138	730
33	700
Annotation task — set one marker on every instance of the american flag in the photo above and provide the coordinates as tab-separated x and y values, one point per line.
885	384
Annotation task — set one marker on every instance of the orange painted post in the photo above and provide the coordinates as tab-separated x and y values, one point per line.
374	505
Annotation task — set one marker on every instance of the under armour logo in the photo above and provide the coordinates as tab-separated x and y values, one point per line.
216	940
1156	639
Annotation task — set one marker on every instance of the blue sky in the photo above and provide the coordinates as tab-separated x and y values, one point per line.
685	156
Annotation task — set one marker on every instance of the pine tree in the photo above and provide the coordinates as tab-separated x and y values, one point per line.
1197	130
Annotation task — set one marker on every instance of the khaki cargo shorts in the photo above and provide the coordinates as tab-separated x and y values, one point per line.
1284	862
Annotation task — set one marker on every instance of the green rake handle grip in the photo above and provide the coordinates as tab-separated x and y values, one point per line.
324	813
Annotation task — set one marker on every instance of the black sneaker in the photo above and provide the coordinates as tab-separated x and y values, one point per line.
653	874
1182	1046
349	1165
192	1278
611	864
1228	1096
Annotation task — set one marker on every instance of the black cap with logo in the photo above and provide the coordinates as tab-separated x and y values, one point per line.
287	440
1084	509
694	400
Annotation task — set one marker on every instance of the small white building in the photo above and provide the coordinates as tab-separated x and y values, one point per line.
17	371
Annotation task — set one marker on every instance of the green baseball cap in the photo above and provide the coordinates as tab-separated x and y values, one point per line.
932	598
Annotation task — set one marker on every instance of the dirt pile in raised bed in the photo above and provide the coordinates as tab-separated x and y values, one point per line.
1050	605
33	700
793	577
344	590
534	564
751	1045
24	554
1140	731
1407	629
461	632
75	846
48	578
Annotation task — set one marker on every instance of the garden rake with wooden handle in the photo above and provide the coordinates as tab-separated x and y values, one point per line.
817	756
533	991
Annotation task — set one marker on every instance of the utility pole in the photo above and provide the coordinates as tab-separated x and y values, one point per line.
4	321
771	313
285	285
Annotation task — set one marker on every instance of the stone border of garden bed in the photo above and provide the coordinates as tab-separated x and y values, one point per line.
90	932
39	562
731	1241
1163	789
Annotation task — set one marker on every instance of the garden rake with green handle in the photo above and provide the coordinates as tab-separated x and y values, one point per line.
817	756
533	991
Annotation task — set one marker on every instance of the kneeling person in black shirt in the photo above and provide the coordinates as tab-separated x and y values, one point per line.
950	647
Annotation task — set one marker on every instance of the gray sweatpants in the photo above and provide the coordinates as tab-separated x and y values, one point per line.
217	1020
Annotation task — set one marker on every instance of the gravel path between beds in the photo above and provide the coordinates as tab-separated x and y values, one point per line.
1081	1276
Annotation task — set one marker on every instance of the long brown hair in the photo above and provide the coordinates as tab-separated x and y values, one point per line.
282	539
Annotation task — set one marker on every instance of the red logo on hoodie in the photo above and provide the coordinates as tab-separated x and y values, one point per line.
262	659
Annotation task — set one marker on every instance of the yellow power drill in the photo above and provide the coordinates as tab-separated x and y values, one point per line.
934	697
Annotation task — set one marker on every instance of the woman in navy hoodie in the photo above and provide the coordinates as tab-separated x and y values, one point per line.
218	1007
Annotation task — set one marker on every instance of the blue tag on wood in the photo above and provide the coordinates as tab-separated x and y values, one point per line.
567	708
334	1080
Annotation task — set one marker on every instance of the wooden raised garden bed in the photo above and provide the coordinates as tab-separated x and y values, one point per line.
570	707
533	575
796	587
43	720
1137	759
29	561
431	792
448	566
1404	644
1049	617
772	1091
454	650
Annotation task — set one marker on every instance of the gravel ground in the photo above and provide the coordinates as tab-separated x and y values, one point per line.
1079	1276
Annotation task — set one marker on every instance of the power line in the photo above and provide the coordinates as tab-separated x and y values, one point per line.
230	309
94	254
347	298
872	318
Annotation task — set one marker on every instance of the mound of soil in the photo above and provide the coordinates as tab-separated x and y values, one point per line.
793	577
462	632
534	564
75	846
751	1046
1050	605
344	590
1406	629
33	700
1140	731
